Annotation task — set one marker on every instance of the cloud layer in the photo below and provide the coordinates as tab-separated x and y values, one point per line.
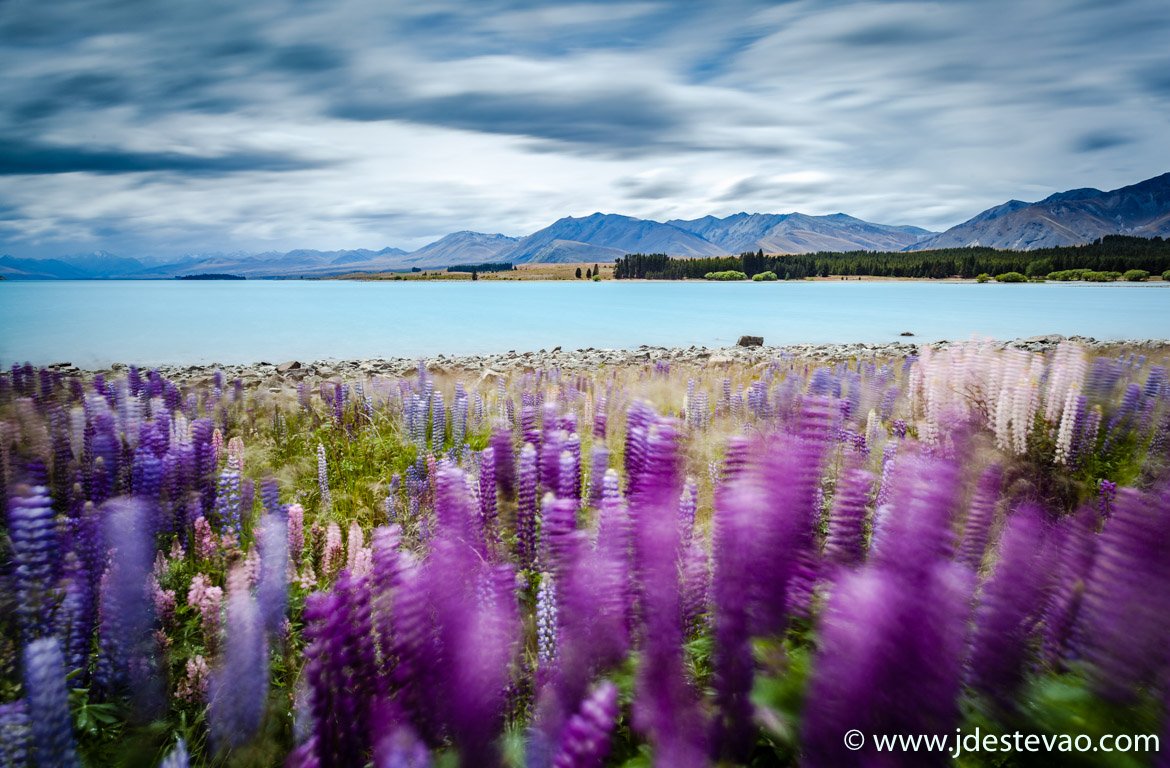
155	128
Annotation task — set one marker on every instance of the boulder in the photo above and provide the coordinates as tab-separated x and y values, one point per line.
291	365
750	341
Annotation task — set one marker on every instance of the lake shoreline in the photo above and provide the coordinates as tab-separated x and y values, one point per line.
279	375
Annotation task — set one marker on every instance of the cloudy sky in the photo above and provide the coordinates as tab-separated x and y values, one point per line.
177	127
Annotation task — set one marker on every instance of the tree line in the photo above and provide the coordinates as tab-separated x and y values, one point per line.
1113	253
501	266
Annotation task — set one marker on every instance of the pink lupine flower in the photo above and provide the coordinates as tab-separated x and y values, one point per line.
216	445
193	687
177	551
331	556
307	579
164	600
205	540
207	599
296	532
235	451
353	544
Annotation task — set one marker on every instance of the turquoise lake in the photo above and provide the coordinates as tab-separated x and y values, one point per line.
92	323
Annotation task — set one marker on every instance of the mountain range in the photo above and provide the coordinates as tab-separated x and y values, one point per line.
1066	218
1074	217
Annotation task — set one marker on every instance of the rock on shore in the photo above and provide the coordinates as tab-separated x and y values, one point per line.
488	366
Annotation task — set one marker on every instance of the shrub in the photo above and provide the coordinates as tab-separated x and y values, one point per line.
1101	277
1066	275
1135	276
1038	268
597	278
765	277
1166	275
983	278
1011	277
727	274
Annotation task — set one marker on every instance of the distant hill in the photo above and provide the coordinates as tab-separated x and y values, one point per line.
1075	217
799	233
461	248
599	236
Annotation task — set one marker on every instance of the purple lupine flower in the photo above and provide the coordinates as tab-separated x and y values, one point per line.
736	457
128	652
549	460
340	671
599	462
505	459
75	618
477	628
1106	493
526	507
15	734
845	543
48	705
323	478
980	516
33	532
1010	601
487	492
917	527
638	421
569	476
547	625
272	589
270	497
600	418
438	422
585	741
688	504
696	585
558	528
889	658
228	500
239	688
666	707
177	757
401	748
459	415
1125	617
1075	548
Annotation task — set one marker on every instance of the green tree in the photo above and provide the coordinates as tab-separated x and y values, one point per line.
474	275
578	273
588	274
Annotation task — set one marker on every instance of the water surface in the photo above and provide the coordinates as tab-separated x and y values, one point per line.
93	323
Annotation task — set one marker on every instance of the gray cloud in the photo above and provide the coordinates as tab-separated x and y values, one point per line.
20	158
155	126
623	119
1095	141
651	188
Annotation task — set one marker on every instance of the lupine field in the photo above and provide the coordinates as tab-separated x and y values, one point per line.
656	565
